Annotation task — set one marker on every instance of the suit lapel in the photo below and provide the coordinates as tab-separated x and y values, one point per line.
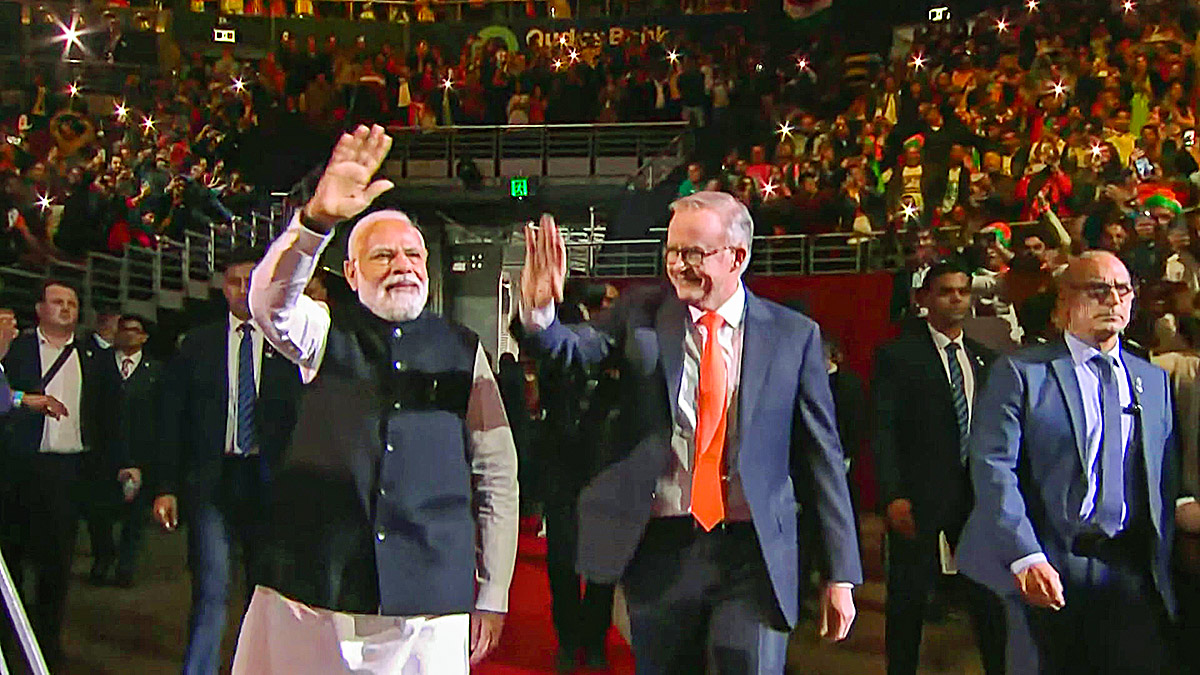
937	369
1064	373
669	325
1151	452
757	345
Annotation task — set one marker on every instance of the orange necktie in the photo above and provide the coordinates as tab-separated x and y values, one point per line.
708	494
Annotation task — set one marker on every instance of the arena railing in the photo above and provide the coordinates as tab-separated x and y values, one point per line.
551	150
143	280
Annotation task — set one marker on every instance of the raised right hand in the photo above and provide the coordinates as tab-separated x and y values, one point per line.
900	519
545	268
346	188
166	512
1041	586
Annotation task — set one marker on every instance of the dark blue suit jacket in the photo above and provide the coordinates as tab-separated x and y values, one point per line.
23	369
195	409
1027	450
788	441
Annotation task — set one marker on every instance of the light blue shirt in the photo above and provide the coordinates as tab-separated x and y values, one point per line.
1093	415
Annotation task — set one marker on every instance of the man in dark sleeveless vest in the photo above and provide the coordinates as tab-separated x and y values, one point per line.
395	508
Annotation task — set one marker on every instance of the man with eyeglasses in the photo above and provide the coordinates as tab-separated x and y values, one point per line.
1073	458
727	418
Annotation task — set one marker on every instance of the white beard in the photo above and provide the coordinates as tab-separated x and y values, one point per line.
397	305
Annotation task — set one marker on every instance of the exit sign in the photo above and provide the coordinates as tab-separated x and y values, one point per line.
518	187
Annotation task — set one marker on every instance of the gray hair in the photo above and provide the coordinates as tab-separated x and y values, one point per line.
375	217
739	226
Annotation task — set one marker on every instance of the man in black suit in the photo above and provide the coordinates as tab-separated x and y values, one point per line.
58	463
228	408
922	394
140	376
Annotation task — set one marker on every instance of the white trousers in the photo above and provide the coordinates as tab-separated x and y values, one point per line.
283	637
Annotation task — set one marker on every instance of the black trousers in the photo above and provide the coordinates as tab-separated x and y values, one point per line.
108	512
1113	623
45	497
703	602
581	620
913	570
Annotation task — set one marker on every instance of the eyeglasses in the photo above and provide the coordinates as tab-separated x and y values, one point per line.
1100	291
692	255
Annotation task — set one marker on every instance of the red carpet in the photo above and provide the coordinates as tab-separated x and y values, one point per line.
528	645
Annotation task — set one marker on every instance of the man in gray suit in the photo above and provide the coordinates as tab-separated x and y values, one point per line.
1073	461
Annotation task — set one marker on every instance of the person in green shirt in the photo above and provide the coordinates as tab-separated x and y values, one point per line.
694	181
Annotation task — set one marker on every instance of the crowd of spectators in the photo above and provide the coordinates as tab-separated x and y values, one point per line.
155	164
1019	137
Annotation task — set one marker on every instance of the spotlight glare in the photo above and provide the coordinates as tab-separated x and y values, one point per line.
909	212
574	55
558	64
1128	6
73	89
918	62
802	64
148	123
44	201
121	111
1032	6
785	129
769	189
239	84
1001	25
673	56
448	83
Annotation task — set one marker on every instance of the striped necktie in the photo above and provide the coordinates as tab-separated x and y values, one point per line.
958	389
247	433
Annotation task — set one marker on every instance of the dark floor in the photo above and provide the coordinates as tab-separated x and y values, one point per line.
143	630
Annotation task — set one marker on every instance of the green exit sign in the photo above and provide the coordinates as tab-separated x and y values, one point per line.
518	187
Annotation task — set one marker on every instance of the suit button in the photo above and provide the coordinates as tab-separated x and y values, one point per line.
381	535
382	492
396	333
389	448
399	366
396	405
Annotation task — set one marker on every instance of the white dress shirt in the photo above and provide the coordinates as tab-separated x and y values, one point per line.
232	353
673	490
964	363
62	436
122	357
298	327
1093	414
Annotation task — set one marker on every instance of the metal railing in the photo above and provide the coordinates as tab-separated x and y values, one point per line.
144	279
559	150
775	255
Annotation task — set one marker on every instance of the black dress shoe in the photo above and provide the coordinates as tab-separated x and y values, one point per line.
100	574
595	658
566	661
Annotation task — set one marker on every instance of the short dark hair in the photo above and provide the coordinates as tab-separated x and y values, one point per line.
55	282
242	255
942	269
133	317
